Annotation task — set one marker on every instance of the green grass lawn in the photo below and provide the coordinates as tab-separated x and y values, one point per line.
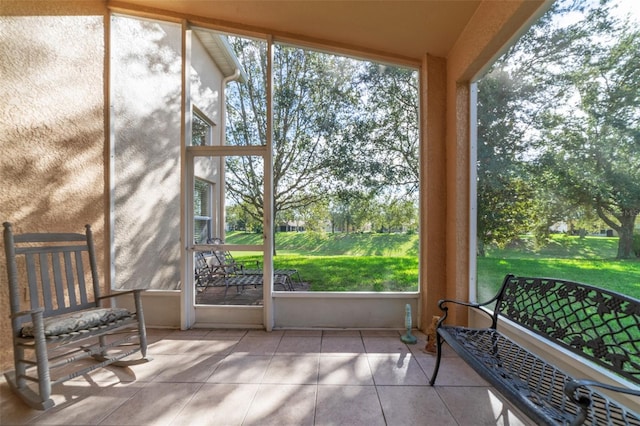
339	244
354	273
590	260
389	262
620	276
343	262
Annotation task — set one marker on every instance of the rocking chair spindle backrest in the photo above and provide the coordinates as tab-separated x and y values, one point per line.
50	271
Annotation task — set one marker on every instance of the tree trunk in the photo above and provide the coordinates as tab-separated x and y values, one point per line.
625	234
625	230
480	251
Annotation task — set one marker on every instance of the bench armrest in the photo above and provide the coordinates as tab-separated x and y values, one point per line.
492	316
443	302
583	401
571	388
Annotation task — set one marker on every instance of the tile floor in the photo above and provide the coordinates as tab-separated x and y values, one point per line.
293	377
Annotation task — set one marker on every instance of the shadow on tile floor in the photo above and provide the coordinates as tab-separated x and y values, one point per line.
296	377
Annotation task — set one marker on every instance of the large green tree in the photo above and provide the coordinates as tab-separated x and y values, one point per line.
311	102
340	126
511	198
504	196
569	147
380	148
592	138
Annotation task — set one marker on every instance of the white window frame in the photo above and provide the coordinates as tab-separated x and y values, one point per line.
197	113
209	208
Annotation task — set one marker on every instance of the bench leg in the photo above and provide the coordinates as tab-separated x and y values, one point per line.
438	356
142	330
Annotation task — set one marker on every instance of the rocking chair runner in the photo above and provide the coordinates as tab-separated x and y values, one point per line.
62	319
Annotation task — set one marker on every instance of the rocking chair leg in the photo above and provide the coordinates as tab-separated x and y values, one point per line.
28	396
18	382
42	361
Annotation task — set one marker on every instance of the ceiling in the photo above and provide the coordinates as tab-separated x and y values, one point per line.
402	29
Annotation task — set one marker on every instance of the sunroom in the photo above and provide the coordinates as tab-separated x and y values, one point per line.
149	73
116	117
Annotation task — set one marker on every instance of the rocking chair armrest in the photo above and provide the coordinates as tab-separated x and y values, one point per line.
135	292
32	312
137	298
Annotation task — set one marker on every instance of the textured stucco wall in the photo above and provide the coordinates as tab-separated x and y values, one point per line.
146	87
51	132
206	81
52	138
146	76
206	89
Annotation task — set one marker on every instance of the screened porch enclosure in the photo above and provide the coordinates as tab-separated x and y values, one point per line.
326	131
86	142
150	68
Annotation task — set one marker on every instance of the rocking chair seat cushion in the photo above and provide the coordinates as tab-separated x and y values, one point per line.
77	321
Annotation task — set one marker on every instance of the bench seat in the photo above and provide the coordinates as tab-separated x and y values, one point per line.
596	325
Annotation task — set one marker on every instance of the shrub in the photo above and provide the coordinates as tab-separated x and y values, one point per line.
636	244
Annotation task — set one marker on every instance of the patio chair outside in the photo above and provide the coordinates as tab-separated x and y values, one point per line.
215	268
283	277
224	259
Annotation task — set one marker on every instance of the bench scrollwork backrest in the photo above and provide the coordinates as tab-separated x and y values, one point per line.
602	325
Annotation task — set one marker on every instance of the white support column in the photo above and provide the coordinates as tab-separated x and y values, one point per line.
268	231
473	190
187	315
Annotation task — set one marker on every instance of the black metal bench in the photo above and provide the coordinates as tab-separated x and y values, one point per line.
597	326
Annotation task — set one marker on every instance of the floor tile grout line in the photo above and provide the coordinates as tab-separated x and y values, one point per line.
435	388
273	355
253	399
261	382
193	395
442	391
315	402
384	416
